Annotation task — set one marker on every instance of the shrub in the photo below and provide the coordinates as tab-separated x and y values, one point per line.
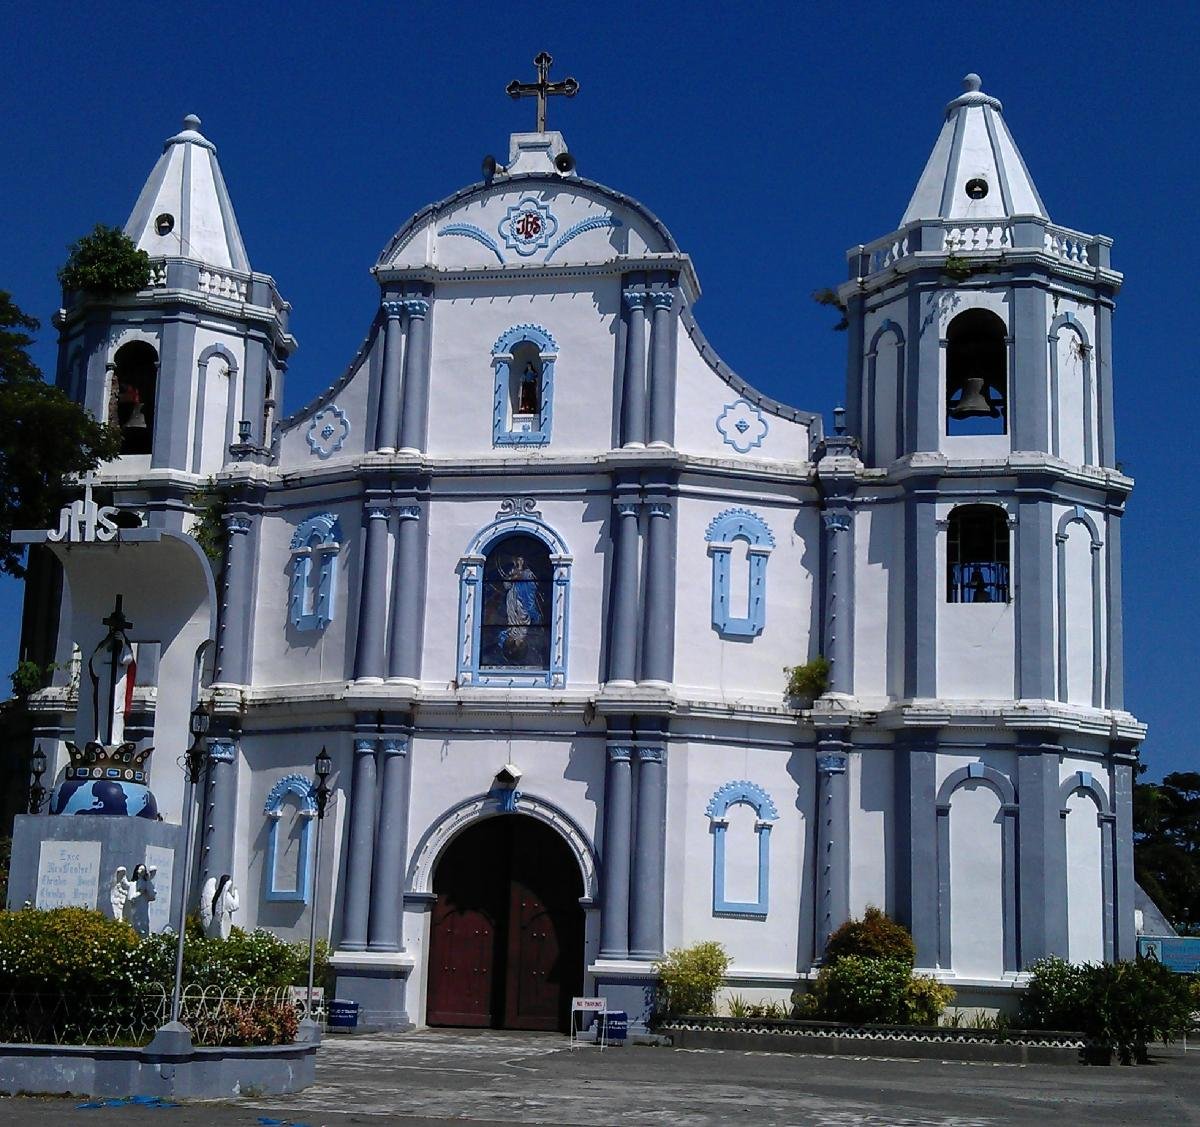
689	978
925	1000
807	681
859	989
1056	997
105	262
875	936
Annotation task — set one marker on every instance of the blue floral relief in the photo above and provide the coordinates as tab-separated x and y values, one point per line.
328	431
528	226
742	426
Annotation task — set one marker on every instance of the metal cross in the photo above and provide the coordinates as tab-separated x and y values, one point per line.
542	88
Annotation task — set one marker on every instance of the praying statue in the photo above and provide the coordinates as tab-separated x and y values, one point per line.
218	901
529	396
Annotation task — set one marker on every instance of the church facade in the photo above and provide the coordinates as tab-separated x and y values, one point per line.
532	568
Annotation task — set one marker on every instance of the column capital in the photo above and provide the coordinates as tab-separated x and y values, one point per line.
620	753
661	299
626	508
635	299
221	750
831	763
394	745
377	511
364	746
238	524
651	754
416	306
836	521
660	509
393	309
409	512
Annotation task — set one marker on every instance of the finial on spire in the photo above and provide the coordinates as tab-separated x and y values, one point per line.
972	82
542	88
192	122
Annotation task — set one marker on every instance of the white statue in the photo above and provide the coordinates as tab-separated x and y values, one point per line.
143	892
218	901
119	892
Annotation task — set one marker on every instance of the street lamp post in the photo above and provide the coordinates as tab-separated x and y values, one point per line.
320	794
37	792
193	767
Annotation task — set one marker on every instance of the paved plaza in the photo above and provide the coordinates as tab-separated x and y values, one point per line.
435	1077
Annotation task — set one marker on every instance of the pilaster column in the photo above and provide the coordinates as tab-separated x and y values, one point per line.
922	596
633	396
220	809
1029	371
833	839
618	830
1041	846
658	630
839	599
1034	557
416	377
408	586
360	855
1107	445
233	636
662	370
1122	804
386	932
388	426
254	388
372	613
646	925
915	763
622	648
174	414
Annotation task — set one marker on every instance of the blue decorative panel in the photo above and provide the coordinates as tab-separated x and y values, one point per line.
726	528
528	226
752	795
315	547
328	431
510	425
742	426
514	601
299	788
595	223
470	231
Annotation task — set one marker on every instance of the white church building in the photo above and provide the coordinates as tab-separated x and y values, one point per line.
532	567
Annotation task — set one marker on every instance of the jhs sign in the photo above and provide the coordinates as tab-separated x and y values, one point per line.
83	521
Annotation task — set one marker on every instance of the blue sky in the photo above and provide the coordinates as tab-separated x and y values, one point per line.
768	137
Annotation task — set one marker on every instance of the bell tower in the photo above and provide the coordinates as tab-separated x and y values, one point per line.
191	367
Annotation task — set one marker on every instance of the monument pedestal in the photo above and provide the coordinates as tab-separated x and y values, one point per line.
60	862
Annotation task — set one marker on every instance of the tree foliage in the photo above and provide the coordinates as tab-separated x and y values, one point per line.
44	436
1166	851
875	936
105	262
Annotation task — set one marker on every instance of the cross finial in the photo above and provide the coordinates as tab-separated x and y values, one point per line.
542	88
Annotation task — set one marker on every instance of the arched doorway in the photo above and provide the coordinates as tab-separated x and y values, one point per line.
506	937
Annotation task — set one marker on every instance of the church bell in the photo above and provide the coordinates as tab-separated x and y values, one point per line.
136	420
973	403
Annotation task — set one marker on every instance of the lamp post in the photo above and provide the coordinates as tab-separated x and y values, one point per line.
320	793
37	792
193	766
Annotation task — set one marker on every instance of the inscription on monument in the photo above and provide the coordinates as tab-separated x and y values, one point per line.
160	906
68	874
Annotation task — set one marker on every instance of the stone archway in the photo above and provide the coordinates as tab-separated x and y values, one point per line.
506	946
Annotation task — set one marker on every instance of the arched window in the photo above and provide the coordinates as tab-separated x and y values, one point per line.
739	593
315	546
523	359
291	808
515	583
740	816
135	377
977	555
976	374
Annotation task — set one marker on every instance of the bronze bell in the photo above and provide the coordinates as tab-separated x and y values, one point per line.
973	403
136	420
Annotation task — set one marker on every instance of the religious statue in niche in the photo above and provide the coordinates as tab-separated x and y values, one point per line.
514	632
218	901
529	396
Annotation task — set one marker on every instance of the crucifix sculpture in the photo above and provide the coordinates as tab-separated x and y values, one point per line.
542	89
115	646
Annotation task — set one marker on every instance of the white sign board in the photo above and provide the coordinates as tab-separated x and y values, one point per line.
590	1005
68	874
160	906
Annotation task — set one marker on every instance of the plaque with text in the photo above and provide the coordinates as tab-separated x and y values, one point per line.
68	874
160	906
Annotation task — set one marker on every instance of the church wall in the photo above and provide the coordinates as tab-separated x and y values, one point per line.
1083	841
708	410
1080	606
1073	369
719	661
879	600
469	318
222	384
884	399
756	944
872	826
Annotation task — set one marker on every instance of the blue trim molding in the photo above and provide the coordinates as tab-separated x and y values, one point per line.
470	231
300	788
518	516
510	428
742	426
315	547
328	431
752	795
596	222
722	532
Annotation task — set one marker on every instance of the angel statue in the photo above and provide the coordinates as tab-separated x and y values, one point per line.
218	901
142	893
119	892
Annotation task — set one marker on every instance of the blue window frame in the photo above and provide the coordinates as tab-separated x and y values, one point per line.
523	396
723	532
292	791
741	791
315	547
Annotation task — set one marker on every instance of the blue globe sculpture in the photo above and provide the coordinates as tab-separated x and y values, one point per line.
103	796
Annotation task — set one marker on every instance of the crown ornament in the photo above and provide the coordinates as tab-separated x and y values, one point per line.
123	763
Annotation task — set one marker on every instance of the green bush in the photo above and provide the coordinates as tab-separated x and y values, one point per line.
689	978
807	681
859	989
105	262
925	1000
1119	1006
875	936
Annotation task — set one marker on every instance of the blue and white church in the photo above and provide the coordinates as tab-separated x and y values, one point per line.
532	567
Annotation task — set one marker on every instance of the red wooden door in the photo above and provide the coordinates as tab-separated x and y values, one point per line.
506	943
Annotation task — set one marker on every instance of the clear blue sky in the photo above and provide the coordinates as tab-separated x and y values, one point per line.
769	138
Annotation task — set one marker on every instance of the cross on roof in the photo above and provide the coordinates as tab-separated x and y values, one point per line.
542	88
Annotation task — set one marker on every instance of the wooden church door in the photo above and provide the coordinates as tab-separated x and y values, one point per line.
506	937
